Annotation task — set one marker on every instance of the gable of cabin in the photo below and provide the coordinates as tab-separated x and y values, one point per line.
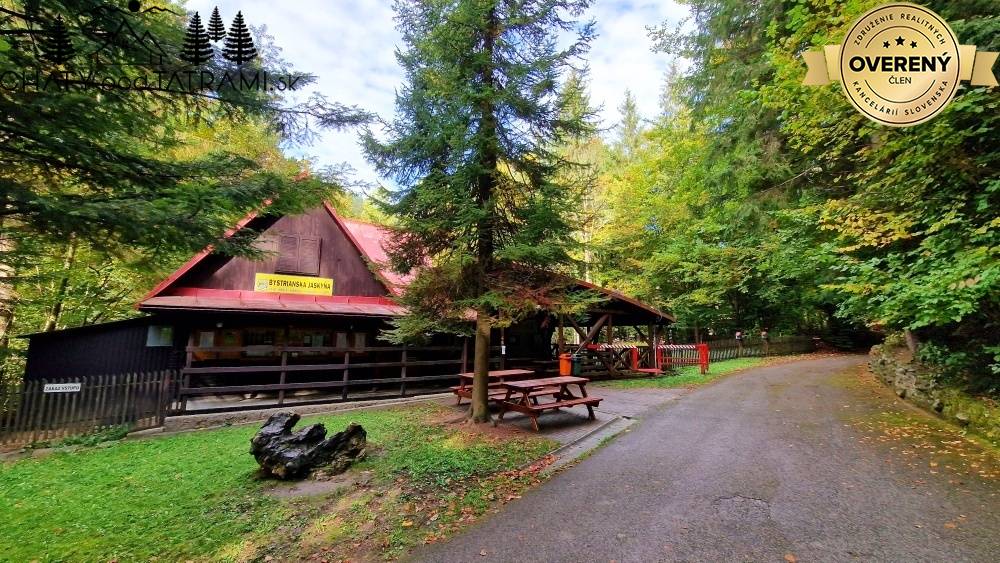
310	244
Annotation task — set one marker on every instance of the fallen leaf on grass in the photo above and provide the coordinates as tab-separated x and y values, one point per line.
790	558
950	525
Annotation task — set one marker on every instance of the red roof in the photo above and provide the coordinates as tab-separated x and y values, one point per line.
368	238
188	298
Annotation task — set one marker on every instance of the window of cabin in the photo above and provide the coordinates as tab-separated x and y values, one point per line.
360	339
260	336
342	340
230	338
298	254
206	339
158	336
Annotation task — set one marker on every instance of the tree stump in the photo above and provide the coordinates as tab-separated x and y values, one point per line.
285	454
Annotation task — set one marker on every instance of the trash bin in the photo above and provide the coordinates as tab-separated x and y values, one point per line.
565	364
570	364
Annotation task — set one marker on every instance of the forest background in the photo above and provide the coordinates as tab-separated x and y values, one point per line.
748	202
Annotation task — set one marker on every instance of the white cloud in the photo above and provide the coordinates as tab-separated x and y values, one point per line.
350	46
620	57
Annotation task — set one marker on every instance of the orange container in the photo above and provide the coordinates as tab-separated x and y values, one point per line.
565	364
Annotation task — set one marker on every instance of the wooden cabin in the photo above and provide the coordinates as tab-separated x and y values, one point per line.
303	325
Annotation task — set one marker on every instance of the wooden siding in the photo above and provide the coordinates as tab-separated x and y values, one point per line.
338	258
102	349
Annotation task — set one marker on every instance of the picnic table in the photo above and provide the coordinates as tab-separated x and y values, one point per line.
496	377
522	396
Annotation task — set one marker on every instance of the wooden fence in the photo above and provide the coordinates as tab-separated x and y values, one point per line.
617	358
728	349
53	409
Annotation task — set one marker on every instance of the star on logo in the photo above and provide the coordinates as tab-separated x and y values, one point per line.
900	40
885	44
913	44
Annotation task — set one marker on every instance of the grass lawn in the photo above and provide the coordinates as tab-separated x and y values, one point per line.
196	495
687	375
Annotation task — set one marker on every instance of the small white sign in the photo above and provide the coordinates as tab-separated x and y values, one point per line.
62	387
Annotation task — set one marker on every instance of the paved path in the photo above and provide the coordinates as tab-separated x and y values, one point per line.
769	465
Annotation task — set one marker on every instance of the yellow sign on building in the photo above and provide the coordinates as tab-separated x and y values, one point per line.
303	285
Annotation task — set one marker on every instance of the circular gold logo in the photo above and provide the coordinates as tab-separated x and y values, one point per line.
899	64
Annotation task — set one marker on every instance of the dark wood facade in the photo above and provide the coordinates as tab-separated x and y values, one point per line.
109	348
226	339
338	258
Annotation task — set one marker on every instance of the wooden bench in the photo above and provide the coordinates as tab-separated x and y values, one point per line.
520	397
496	379
496	393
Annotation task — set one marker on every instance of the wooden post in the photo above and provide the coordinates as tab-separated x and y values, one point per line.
186	380
347	376
284	363
402	375
651	340
611	330
562	336
465	354
161	396
281	377
503	349
588	337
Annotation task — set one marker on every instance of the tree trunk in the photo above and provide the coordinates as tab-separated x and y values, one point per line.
481	370
8	296
912	341
486	183
52	320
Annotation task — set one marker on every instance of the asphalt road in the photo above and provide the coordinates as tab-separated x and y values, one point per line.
768	465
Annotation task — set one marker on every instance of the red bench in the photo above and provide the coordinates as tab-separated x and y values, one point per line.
521	396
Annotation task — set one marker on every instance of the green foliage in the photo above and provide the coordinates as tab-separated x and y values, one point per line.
92	439
687	375
102	186
755	201
431	455
702	203
195	495
909	215
121	178
483	200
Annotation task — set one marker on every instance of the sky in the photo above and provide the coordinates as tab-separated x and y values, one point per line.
350	46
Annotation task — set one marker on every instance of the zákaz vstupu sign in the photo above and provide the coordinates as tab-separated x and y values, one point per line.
900	65
303	285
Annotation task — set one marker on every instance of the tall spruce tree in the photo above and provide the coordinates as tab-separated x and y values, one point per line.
197	45
56	44
216	29
482	202
239	46
630	127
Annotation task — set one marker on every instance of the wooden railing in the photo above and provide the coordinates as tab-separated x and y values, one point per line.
49	410
346	367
